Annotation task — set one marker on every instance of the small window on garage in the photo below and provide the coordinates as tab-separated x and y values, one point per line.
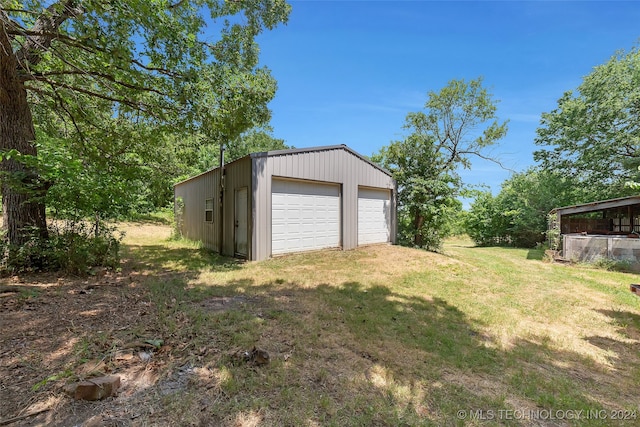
208	210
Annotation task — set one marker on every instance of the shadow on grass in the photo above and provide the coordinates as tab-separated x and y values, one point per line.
342	354
535	254
151	219
627	323
532	253
380	357
180	259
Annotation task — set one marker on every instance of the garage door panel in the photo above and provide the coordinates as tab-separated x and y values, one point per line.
305	216
374	216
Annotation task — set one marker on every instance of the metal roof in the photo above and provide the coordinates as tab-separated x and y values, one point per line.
296	151
321	148
597	206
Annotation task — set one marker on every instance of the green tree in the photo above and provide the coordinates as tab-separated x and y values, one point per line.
484	221
517	216
457	124
254	141
207	156
593	135
113	79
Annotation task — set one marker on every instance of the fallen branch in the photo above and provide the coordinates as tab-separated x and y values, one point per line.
12	289
21	417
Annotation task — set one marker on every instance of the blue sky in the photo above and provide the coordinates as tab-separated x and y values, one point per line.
349	71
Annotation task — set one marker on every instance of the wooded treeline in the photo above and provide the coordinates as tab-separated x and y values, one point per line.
589	151
103	105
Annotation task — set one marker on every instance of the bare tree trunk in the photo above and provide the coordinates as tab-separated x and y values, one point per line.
22	204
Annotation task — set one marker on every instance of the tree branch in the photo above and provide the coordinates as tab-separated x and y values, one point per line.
64	108
491	159
135	105
45	31
27	12
43	76
164	71
54	35
9	25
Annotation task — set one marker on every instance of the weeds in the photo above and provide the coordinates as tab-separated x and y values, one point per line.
73	247
55	377
609	264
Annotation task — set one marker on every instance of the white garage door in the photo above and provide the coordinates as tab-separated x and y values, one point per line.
374	216
305	216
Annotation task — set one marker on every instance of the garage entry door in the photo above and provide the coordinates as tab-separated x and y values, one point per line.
305	216
374	216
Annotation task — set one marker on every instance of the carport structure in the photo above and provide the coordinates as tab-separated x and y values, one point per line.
607	229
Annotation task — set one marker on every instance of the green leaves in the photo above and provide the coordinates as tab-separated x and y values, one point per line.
517	216
125	94
162	59
593	140
254	141
9	154
594	133
457	123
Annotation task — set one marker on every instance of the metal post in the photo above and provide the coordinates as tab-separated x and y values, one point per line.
220	203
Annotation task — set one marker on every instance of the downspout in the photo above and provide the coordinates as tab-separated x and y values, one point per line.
220	204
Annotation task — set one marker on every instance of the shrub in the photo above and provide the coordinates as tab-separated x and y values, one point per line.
73	247
608	264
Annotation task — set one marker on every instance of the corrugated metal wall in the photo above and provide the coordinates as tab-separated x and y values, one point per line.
237	175
333	164
193	193
337	165
577	247
196	190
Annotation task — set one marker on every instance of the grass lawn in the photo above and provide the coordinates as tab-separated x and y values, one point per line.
382	335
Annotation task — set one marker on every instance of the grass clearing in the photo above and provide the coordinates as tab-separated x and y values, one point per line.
382	335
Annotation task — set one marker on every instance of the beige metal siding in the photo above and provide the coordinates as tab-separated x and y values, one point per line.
261	212
193	193
335	165
330	164
237	175
196	190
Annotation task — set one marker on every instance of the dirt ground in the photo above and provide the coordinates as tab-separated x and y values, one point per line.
50	327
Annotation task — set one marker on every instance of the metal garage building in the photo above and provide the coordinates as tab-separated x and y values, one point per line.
288	201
